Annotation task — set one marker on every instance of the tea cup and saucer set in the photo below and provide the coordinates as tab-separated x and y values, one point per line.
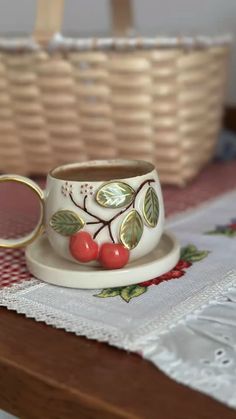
101	225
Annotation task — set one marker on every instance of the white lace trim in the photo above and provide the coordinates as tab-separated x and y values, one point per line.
9	297
201	300
211	369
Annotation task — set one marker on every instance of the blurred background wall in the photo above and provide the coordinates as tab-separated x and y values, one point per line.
150	16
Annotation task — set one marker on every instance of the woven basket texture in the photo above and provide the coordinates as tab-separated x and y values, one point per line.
163	105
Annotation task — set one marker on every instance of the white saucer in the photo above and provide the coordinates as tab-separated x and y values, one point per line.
44	264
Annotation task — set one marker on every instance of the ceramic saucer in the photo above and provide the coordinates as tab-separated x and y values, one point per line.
44	264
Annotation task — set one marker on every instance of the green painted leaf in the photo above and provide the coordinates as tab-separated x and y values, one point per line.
115	195
132	291
66	222
131	229
151	207
109	292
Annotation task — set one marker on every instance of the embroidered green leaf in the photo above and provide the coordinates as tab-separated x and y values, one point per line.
131	229
231	233
66	222
115	195
215	232
109	292
223	232
191	254
187	250
132	291
198	256
151	207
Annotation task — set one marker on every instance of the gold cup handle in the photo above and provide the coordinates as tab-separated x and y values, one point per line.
23	241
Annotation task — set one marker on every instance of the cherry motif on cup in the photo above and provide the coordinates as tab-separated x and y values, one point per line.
113	255
83	248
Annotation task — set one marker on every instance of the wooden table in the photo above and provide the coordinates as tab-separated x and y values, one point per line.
50	374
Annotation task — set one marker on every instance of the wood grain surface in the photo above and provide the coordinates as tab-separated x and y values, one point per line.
47	373
230	118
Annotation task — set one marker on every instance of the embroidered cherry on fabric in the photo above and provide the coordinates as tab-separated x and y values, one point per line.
189	255
173	274
177	272
228	230
183	264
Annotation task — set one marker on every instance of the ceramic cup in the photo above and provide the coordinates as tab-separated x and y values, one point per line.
112	201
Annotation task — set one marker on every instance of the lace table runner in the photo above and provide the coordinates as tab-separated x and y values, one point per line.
184	321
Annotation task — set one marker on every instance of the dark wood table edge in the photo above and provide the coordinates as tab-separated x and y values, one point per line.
30	392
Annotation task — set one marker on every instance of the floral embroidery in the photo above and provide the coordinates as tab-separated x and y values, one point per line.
228	230
189	255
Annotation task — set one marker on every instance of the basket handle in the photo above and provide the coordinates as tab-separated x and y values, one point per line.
122	17
50	13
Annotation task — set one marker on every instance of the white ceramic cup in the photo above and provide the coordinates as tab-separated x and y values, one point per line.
116	201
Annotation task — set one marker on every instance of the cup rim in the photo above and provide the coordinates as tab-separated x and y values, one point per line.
147	167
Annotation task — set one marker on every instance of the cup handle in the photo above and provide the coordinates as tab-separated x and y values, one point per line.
23	241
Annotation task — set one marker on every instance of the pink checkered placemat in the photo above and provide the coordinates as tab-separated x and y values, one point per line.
214	180
17	218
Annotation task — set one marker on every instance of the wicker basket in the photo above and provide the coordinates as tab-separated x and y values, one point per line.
63	99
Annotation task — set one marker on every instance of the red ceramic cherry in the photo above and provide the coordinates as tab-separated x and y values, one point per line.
113	255
82	247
